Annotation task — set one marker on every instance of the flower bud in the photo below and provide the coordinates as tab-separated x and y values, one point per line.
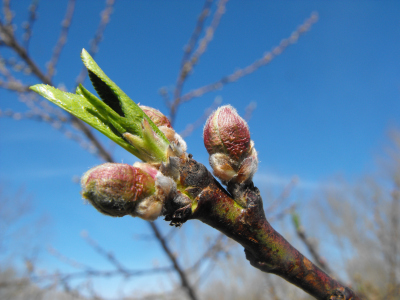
121	189
162	122
226	132
227	139
156	116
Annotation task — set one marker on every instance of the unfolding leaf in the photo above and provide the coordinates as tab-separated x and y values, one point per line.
80	107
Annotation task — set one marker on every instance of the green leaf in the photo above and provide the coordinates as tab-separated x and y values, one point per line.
80	107
106	94
114	97
117	116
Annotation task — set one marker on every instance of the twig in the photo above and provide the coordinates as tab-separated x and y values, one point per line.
214	248
188	64
62	39
280	215
29	24
195	35
98	37
184	280
200	121
108	255
249	111
8	15
310	245
14	86
283	196
266	59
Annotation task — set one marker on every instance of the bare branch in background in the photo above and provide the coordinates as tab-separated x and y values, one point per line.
43	113
200	121
10	40
266	59
98	37
249	110
195	35
8	14
28	25
283	196
190	60
183	276
311	246
215	247
88	271
62	39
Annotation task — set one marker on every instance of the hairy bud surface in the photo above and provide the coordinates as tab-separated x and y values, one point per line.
121	189
227	139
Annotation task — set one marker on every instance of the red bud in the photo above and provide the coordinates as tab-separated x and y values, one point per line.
114	189
226	132
156	116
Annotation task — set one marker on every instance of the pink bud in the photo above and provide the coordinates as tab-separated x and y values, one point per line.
227	139
226	132
163	123
156	116
114	189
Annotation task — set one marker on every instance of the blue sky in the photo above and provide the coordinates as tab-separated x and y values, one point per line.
324	106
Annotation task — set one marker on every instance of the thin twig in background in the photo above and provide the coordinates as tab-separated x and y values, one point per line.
62	39
249	111
283	213
22	52
271	288
312	248
8	15
283	196
183	276
29	24
200	121
86	270
101	151
266	59
214	248
195	35
98	37
188	49
191	60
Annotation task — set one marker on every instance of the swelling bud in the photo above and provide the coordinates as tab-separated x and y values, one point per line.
227	139
163	123
121	189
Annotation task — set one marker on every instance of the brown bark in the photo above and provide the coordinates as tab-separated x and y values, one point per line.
265	248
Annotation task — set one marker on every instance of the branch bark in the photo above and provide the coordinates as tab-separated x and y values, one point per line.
265	248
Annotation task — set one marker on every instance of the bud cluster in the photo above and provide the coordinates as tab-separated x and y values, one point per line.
227	139
140	190
120	189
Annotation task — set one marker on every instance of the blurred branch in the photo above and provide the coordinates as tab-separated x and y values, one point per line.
266	59
283	196
190	60
8	39
183	276
309	244
214	248
87	271
98	37
195	35
62	39
249	110
29	24
200	121
8	15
